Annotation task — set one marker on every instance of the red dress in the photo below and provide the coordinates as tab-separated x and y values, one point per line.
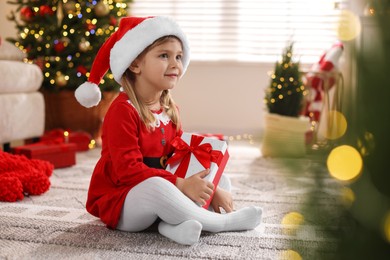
126	142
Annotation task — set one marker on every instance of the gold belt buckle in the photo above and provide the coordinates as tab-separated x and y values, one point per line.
163	161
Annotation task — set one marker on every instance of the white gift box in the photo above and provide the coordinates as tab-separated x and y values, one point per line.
194	152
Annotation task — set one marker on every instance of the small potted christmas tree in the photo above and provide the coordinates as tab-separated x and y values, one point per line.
284	133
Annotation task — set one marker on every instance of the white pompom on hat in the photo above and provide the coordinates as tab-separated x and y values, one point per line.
134	34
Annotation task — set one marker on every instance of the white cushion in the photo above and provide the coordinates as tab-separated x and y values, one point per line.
22	116
19	77
8	51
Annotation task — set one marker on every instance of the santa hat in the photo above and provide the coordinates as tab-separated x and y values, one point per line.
122	48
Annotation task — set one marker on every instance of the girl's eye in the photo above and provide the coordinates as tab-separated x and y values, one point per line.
164	55
179	57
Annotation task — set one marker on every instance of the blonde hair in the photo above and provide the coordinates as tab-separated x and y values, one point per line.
166	100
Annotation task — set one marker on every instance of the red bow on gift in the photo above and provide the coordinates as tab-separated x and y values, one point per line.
204	153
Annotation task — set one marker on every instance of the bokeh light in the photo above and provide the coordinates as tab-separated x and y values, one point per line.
366	144
336	125
347	197
387	227
291	223
92	144
349	26
290	255
344	163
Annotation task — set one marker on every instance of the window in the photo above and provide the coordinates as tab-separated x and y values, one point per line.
250	30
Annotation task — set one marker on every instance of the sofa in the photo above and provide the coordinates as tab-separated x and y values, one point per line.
22	106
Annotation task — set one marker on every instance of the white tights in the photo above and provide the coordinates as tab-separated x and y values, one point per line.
182	219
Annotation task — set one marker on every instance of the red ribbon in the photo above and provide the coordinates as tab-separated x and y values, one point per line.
204	153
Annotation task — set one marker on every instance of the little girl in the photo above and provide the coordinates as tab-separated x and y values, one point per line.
129	188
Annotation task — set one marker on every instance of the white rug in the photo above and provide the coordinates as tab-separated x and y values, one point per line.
56	225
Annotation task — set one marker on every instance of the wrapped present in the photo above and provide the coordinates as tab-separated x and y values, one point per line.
194	153
217	136
60	155
80	138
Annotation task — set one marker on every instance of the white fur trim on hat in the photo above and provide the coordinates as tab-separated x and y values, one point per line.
134	41
88	94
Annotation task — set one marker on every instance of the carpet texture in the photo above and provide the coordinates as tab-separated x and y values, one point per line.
56	225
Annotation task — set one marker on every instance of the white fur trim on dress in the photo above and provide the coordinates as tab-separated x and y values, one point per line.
161	118
88	94
133	42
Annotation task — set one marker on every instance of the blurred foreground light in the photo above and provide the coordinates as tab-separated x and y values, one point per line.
336	125
349	26
344	163
387	227
291	223
290	255
347	197
366	144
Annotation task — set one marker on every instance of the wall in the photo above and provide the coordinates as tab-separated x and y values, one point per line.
7	28
223	97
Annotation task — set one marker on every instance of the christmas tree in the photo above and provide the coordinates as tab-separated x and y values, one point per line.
285	94
360	229
63	36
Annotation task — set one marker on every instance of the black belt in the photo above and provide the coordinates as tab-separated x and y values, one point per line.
156	162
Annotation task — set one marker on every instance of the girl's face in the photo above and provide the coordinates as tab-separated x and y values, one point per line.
161	67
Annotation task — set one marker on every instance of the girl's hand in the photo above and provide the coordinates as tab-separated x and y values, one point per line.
196	188
222	199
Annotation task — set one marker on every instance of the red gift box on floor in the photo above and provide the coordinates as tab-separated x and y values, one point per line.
80	138
194	153
60	155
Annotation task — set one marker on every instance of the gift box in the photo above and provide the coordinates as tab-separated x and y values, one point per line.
80	138
60	155
218	136
194	153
